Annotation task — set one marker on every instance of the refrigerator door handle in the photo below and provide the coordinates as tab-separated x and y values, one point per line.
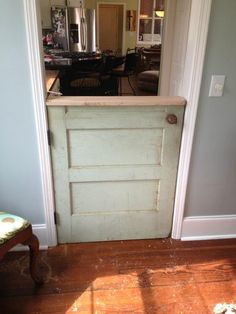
82	32
85	35
67	30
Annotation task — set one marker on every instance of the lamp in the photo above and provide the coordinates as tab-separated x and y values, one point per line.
160	13
159	10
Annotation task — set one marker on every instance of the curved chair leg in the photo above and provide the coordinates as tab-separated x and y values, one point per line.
33	244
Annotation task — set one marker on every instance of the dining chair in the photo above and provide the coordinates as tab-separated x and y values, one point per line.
17	230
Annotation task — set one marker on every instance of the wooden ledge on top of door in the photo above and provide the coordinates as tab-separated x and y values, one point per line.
92	101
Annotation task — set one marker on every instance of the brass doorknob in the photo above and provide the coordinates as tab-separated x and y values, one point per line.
171	119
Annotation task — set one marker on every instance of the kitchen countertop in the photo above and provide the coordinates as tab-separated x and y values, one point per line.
51	76
53	67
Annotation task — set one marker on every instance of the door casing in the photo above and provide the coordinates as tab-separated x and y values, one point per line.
196	47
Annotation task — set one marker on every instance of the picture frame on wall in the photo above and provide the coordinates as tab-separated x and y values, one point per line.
131	20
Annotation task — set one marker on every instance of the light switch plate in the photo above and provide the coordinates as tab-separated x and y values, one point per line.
217	85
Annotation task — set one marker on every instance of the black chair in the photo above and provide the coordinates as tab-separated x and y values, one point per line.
108	82
126	70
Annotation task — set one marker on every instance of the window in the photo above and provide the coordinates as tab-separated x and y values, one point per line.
149	23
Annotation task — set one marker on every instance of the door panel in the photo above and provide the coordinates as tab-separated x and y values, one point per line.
106	147
114	171
120	196
110	27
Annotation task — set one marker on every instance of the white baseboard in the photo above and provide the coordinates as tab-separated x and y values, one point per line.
40	230
208	227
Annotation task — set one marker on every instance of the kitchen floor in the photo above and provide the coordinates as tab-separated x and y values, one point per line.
139	92
147	276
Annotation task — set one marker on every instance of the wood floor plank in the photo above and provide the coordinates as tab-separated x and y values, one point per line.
149	276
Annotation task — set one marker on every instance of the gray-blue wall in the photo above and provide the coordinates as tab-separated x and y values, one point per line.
20	181
212	180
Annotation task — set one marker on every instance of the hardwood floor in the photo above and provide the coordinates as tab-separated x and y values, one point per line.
139	92
148	276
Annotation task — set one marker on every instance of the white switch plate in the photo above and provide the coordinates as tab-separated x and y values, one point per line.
217	85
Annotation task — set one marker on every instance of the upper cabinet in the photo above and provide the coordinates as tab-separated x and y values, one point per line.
57	2
75	3
150	21
45	9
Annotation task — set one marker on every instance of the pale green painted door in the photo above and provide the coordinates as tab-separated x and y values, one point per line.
114	171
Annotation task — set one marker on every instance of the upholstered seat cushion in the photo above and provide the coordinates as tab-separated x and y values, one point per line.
148	80
149	76
10	225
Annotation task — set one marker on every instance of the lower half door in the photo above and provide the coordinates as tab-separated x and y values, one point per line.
114	171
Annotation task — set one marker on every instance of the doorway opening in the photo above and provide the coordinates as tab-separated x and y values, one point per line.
196	43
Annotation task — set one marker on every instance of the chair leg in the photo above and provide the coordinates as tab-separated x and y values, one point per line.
120	86
134	93
33	244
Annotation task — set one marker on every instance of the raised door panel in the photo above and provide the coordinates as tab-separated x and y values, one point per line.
114	171
113	147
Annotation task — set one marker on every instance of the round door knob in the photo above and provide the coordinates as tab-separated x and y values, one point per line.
171	119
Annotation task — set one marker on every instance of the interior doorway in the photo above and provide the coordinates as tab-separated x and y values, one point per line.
196	45
110	27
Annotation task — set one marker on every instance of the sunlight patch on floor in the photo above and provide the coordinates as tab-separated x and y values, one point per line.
100	295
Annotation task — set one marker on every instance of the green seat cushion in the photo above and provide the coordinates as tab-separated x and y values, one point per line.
10	225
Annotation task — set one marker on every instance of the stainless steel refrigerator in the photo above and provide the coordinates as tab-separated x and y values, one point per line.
74	28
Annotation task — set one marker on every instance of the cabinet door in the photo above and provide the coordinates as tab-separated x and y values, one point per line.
58	2
45	10
75	3
114	171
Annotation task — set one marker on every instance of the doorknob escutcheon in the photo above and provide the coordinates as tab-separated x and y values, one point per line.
171	119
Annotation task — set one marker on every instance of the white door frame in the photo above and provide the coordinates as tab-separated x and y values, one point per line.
196	46
124	21
34	43
167	48
195	55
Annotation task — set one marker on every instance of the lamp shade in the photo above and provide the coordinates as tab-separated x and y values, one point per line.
160	13
159	8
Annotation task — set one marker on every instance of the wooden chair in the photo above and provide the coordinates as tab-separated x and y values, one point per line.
16	230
